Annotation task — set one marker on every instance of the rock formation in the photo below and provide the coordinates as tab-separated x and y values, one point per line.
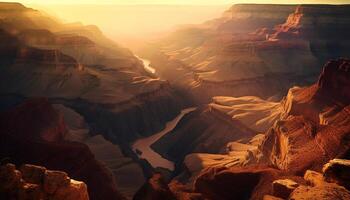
77	64
36	182
111	155
33	133
252	53
306	129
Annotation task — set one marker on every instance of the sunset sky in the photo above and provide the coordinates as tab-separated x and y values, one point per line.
195	2
133	21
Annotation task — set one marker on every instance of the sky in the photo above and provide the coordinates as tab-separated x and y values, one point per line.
171	2
130	22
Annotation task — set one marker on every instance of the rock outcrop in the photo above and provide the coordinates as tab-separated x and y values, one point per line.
46	147
155	188
36	182
47	126
302	132
111	155
320	186
317	122
337	171
283	188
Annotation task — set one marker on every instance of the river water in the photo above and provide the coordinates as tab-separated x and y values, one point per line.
144	144
147	65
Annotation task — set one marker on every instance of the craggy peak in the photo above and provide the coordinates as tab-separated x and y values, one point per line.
175	100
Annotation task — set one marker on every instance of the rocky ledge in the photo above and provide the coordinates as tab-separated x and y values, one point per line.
36	182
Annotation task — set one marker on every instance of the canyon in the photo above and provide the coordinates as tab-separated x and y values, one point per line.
252	50
251	105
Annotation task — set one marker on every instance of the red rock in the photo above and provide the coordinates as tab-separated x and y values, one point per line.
324	192
155	188
313	178
54	180
32	173
55	185
75	190
334	81
317	122
28	143
35	119
337	171
10	179
235	183
29	191
283	187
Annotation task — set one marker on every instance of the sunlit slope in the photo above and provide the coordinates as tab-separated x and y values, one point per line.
41	56
259	50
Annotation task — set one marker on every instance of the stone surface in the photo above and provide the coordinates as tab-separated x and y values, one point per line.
283	188
337	171
33	173
324	192
74	190
55	185
54	180
30	191
314	178
10	178
296	142
235	182
155	188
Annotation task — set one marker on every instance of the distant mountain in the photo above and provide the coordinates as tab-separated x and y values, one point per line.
259	50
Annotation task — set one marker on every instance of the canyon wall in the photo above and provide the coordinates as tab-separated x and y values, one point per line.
289	139
259	50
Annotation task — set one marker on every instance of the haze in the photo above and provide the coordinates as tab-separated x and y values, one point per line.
131	23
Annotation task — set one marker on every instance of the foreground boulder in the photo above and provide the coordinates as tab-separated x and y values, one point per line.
283	187
35	182
338	171
324	186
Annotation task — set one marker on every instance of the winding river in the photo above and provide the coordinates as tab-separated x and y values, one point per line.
147	65
143	145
